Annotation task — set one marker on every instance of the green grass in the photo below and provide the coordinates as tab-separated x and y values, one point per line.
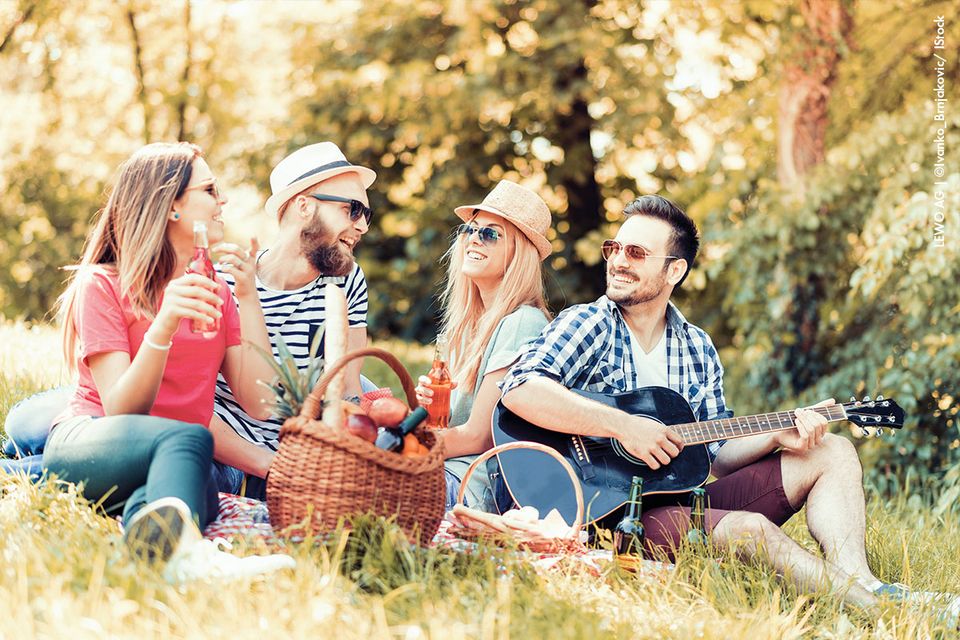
415	358
64	573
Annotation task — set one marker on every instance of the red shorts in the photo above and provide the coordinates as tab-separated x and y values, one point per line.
757	487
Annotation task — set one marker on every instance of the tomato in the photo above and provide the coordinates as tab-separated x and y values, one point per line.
362	427
388	412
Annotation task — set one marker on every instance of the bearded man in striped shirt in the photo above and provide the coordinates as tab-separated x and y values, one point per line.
321	205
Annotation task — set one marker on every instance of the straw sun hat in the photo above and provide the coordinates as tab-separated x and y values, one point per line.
308	166
523	208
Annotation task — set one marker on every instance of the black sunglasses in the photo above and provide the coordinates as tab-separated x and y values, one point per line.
488	235
357	208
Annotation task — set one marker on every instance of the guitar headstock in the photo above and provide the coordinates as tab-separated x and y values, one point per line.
882	413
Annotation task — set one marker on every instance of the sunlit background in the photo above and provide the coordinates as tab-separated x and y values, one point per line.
798	134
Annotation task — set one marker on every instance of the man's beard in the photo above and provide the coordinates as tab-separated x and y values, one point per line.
323	251
650	290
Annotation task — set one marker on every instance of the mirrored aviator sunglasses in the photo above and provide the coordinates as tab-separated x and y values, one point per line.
488	235
357	208
634	252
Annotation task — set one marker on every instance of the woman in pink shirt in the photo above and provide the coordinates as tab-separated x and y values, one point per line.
134	431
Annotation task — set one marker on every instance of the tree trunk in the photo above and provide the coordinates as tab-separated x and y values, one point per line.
138	67
577	176
803	120
23	17
185	77
805	92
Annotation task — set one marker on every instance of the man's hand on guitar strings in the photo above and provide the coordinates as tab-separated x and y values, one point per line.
651	441
809	432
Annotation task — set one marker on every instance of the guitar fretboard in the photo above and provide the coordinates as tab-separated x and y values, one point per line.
740	427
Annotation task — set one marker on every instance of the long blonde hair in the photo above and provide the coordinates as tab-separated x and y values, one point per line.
129	236
466	322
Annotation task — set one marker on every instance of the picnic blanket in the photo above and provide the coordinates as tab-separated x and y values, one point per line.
241	517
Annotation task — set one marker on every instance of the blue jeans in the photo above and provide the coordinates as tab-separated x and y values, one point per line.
27	427
231	480
126	461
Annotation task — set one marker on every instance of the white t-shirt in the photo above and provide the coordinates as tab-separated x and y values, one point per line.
651	367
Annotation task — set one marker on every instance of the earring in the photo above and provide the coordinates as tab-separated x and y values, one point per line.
176	215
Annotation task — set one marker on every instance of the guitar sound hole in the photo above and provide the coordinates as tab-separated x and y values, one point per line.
626	455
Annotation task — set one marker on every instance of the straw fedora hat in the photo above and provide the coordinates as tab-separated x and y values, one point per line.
523	208
308	166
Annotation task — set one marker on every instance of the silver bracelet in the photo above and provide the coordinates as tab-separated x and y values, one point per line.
153	345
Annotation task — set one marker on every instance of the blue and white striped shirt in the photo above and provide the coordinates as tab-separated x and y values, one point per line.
296	316
587	347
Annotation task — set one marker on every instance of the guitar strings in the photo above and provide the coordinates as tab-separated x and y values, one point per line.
702	432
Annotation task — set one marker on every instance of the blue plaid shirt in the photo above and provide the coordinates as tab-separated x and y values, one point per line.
587	347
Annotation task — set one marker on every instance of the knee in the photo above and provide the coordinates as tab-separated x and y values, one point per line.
839	446
837	451
747	527
191	436
200	436
833	453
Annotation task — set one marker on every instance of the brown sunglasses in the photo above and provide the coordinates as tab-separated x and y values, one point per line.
634	252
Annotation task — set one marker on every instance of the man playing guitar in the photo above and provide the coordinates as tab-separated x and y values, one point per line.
635	337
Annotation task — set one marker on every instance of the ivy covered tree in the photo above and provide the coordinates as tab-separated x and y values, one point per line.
835	282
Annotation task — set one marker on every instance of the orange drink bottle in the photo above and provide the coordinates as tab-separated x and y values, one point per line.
202	264
441	382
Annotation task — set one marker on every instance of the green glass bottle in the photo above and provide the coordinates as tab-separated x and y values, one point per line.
392	439
628	534
698	517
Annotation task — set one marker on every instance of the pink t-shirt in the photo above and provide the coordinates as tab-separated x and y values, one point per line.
105	322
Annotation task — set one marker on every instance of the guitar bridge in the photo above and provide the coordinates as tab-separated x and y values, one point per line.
579	454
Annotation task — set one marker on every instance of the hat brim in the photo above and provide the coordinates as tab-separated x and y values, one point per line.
274	202
544	248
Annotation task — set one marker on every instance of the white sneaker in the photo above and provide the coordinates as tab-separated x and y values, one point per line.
158	530
208	560
899	592
947	604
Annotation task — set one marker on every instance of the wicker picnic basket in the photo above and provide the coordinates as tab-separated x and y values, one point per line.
322	473
477	525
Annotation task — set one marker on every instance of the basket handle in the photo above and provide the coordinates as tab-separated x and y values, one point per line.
311	406
535	446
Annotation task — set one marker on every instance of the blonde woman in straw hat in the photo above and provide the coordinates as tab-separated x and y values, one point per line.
493	304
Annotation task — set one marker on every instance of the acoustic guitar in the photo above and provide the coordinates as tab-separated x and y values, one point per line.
605	468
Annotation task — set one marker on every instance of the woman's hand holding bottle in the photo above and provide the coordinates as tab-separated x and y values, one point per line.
190	296
424	392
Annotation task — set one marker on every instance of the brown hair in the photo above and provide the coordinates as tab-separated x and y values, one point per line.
129	236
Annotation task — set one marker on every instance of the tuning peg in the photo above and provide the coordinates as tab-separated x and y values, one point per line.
879	398
863	432
866	398
880	432
853	398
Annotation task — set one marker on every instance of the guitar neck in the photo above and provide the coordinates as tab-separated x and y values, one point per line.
743	426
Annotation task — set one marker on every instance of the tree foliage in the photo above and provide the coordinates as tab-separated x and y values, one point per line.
829	284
